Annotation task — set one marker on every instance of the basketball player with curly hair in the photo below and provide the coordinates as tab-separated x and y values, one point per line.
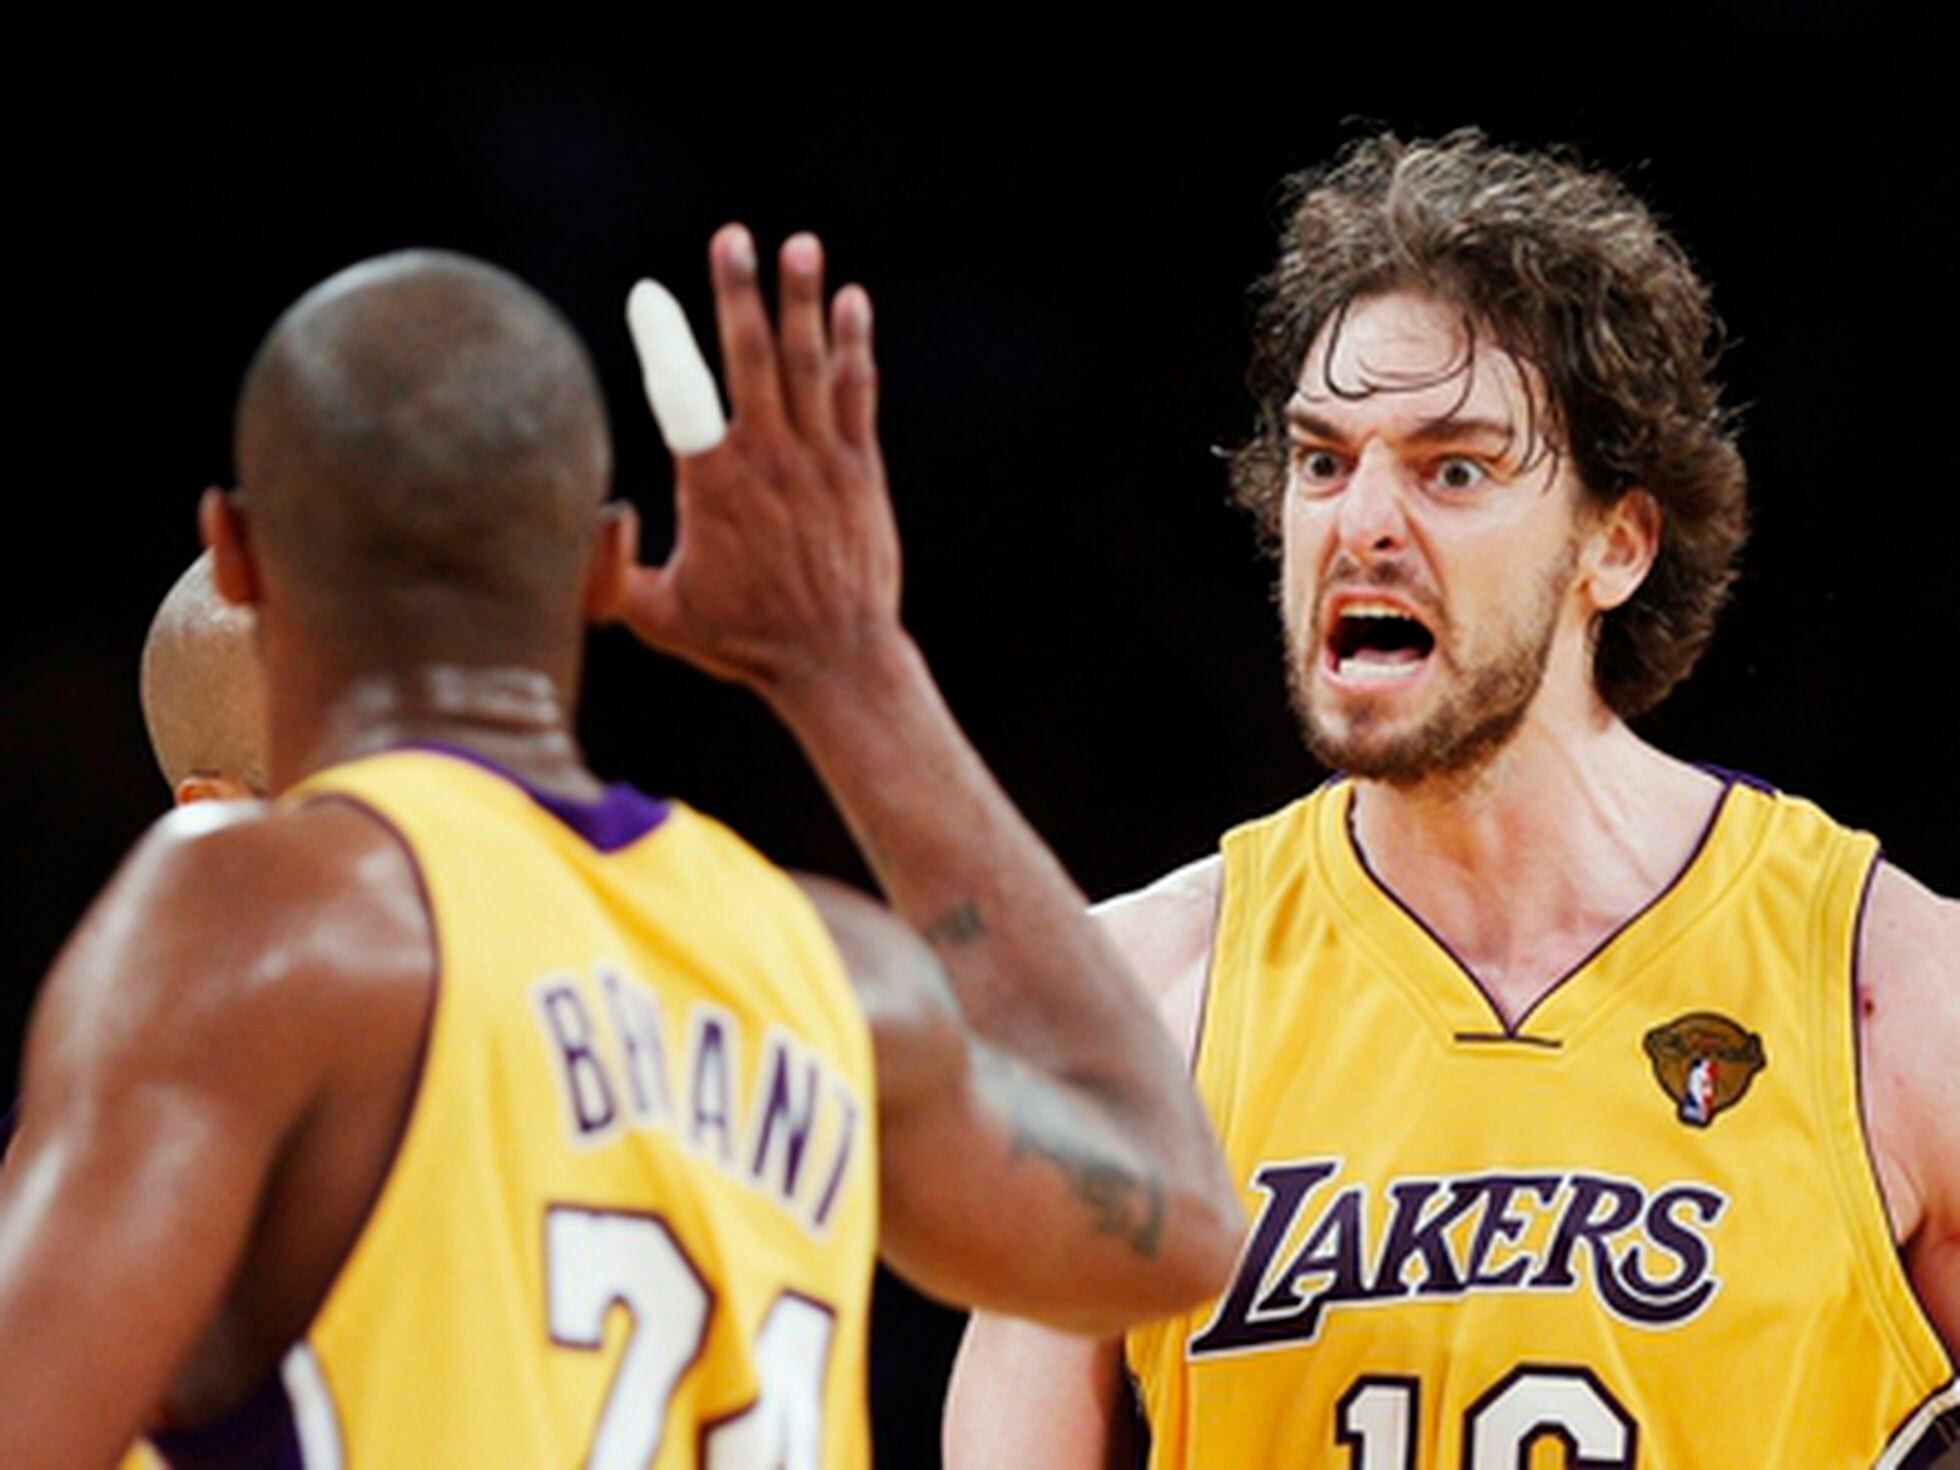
1591	1107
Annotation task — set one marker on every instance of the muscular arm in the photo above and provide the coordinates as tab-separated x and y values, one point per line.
1910	1036
1024	1394
1089	1189
957	1118
1058	1166
150	1117
176	1051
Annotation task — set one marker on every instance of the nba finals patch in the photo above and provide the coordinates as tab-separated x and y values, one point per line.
1704	1062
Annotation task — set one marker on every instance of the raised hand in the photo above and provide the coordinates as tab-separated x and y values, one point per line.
785	566
1041	1150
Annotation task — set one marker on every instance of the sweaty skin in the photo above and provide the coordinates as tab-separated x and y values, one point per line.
220	1064
1522	861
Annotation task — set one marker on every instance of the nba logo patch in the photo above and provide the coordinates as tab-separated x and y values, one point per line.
1705	1062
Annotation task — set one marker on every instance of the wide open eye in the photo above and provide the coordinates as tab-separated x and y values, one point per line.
1456	474
1316	466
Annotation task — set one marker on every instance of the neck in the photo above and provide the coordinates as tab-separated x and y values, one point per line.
514	715
1524	865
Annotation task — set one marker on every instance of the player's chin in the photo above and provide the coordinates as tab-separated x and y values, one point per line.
1372	708
1359	737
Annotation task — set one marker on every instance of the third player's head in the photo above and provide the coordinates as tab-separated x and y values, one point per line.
1450	320
423	457
203	696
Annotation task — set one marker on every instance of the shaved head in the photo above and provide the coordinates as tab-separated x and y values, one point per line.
423	453
203	694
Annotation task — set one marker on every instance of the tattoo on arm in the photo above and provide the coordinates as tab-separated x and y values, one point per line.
958	926
1125	1204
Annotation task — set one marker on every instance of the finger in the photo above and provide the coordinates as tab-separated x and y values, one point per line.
854	368
748	347
679	386
805	356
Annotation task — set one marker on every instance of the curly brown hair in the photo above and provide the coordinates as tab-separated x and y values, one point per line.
1569	272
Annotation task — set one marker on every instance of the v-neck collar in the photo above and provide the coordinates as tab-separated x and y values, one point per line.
1451	995
619	817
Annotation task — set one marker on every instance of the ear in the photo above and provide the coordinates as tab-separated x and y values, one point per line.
615	553
1621	548
221	520
217	786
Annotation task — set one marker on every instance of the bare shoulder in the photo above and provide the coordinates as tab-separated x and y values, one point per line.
1910	930
246	995
230	924
1909	995
1166	930
1164	926
300	891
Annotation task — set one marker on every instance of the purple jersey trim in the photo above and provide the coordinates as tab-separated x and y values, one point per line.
260	1434
1211	970
1948	1423
1513	1031
1929	1451
1858	1021
1736	778
9	1124
618	819
1509	1039
1132	1423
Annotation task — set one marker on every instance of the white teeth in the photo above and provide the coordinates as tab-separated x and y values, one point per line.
1362	668
1373	610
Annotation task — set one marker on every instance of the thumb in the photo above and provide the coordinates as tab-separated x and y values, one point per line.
650	605
679	386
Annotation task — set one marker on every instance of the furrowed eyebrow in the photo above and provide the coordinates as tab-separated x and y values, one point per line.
1448	429
1301	421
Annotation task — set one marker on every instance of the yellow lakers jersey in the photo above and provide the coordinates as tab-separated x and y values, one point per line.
632	1218
1640	1227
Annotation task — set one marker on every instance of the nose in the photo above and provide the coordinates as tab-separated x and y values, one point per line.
1372	521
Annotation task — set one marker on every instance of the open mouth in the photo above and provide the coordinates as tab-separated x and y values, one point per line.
1377	641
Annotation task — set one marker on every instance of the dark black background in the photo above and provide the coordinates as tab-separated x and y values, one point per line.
1058	237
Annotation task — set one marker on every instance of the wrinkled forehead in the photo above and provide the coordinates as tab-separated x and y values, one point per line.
1410	354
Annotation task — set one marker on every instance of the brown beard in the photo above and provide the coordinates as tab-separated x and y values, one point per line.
1471	724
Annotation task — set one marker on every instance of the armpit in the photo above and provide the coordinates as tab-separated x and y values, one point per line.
1167	932
1909	1032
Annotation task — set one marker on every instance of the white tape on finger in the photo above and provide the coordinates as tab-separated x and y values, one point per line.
679	386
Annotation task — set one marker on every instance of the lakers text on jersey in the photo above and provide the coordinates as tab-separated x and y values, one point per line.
1639	1227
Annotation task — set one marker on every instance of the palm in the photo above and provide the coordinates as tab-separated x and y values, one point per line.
785	558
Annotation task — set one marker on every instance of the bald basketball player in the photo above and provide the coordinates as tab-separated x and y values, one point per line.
203	695
204	708
602	1194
